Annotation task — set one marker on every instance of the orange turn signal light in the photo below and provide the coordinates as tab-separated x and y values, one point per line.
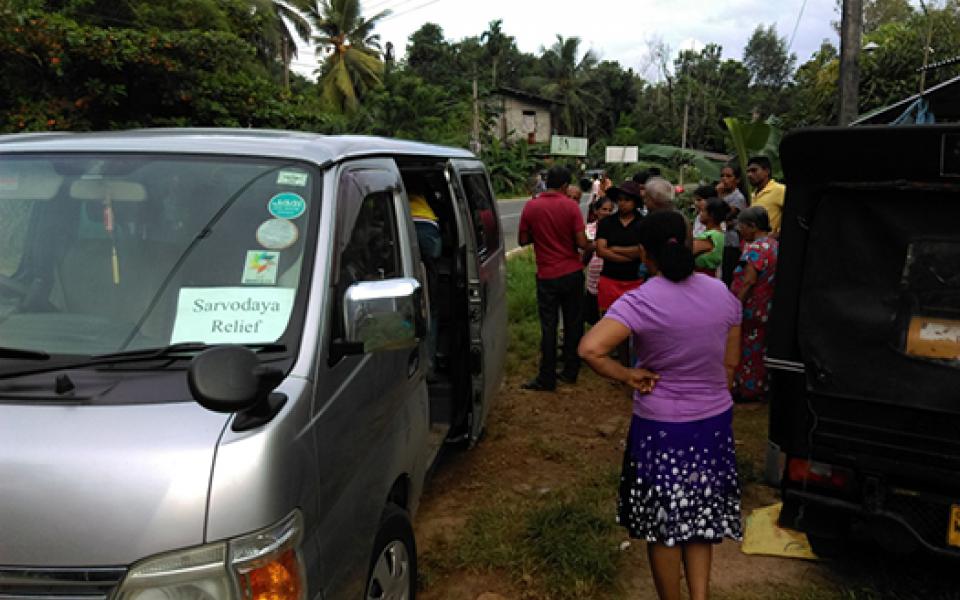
279	579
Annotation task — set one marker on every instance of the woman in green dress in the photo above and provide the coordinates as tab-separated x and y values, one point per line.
708	245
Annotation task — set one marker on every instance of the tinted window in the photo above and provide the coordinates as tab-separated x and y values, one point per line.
14	220
485	221
373	251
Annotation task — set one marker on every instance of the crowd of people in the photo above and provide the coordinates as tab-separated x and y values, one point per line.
678	309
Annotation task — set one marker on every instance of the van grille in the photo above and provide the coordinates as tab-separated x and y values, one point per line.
58	584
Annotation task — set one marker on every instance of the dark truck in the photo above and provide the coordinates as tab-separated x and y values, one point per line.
864	345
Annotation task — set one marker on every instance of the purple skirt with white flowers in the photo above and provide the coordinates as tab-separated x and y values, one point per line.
679	482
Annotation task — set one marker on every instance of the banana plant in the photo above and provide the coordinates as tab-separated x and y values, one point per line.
753	138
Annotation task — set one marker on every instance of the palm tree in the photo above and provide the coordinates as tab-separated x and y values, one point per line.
496	43
568	81
288	24
352	64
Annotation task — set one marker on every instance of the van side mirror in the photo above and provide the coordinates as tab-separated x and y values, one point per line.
382	315
230	379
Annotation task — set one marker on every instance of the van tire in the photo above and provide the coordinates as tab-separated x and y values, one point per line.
393	565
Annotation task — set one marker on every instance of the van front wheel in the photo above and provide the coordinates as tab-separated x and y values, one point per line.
393	566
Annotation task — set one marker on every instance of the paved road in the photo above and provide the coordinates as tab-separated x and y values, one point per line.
510	218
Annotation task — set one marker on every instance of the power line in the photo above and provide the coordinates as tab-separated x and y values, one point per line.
409	10
391	7
796	26
385	5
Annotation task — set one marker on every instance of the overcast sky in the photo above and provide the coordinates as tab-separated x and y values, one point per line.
614	29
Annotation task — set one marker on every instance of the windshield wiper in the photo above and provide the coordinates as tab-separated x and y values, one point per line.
184	350
173	351
23	354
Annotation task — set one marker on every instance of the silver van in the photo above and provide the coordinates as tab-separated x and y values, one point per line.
213	359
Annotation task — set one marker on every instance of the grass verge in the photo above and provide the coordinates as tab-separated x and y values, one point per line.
523	322
557	544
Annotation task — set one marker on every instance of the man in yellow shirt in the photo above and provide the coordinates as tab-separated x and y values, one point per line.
767	192
431	247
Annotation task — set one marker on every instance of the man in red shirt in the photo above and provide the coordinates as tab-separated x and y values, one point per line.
555	227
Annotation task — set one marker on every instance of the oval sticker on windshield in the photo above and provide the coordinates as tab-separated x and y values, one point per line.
287	205
277	234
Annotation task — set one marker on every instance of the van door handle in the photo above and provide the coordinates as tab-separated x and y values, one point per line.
413	362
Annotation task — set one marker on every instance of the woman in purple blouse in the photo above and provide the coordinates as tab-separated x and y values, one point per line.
679	489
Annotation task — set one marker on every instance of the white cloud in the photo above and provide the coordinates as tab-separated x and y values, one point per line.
615	29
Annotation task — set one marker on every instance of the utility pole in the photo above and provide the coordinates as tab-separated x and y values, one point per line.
683	133
851	26
926	46
475	142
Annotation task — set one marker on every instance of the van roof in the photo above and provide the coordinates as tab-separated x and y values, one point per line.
238	142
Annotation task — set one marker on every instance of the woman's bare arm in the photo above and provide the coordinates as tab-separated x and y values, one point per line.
750	277
731	357
595	348
701	246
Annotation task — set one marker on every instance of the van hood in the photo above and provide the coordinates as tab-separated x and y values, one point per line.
98	484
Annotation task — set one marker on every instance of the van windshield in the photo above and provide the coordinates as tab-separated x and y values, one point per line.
109	253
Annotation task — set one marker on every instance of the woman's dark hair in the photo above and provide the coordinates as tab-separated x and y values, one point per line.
663	236
718	210
705	191
585	185
741	182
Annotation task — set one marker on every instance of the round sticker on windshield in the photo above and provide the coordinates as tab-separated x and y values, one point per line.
287	205
277	234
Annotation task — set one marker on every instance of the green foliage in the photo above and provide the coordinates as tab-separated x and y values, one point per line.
407	107
60	73
770	65
352	66
817	100
568	79
510	166
756	138
524	330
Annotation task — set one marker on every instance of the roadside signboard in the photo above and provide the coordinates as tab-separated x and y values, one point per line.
568	146
622	154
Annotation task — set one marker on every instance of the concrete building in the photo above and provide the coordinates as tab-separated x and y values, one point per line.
521	116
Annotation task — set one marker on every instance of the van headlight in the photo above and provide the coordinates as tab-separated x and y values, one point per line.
263	565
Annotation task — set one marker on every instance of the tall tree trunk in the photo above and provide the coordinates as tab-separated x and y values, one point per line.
851	25
286	64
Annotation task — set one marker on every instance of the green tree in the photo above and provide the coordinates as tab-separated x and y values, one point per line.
352	65
617	91
287	23
88	65
568	78
816	97
770	65
410	108
429	55
496	44
879	12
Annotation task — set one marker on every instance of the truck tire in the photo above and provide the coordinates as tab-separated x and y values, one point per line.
393	564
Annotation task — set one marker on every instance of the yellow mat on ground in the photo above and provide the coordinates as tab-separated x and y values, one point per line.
763	536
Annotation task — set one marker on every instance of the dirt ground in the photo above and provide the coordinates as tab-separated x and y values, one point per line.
539	442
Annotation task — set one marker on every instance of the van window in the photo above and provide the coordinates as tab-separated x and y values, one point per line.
107	253
373	250
14	221
485	222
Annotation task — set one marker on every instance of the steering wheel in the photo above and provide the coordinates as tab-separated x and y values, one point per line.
12	285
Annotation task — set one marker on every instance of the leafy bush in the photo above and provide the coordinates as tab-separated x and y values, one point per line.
510	166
